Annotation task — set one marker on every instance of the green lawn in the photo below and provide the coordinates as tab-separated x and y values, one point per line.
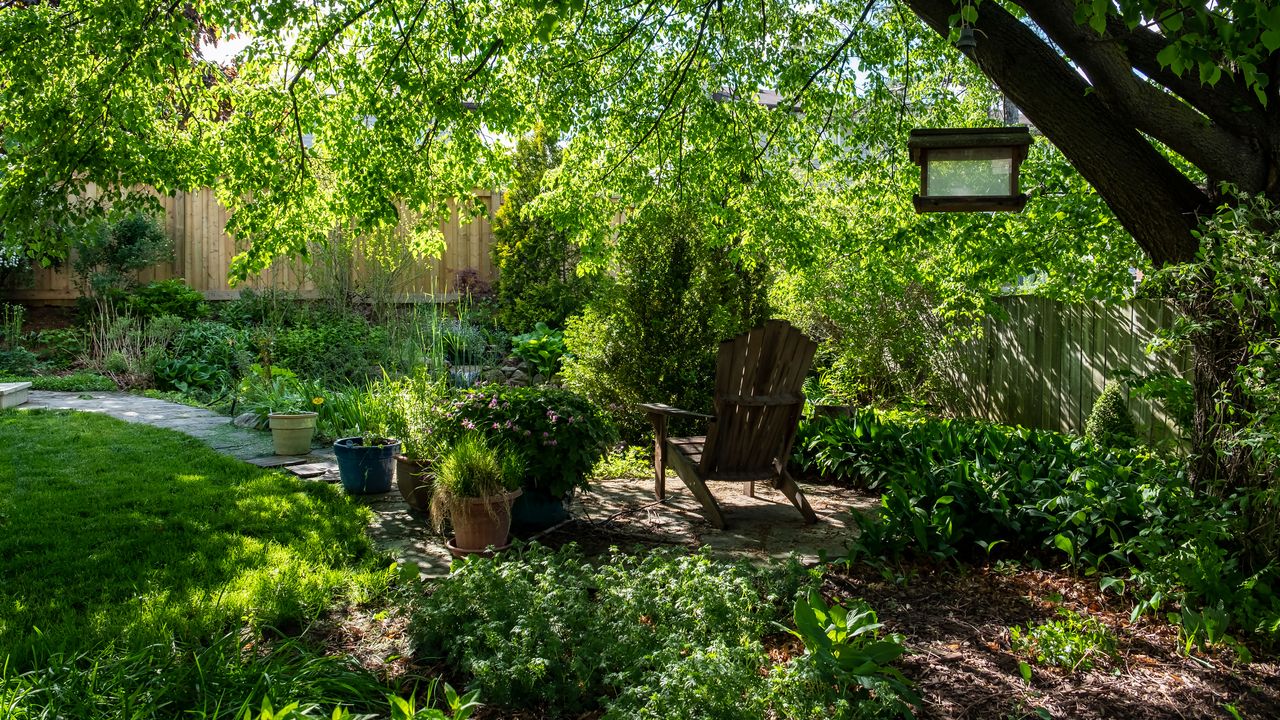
128	548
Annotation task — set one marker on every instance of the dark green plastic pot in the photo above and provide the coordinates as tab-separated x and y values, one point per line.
366	469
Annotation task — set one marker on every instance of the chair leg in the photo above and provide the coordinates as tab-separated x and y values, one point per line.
659	422
751	488
689	474
789	488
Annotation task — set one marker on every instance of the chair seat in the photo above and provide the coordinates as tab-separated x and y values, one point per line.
691	448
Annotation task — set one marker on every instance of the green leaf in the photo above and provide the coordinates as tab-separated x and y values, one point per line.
1108	583
1063	543
1169	55
1271	39
1024	670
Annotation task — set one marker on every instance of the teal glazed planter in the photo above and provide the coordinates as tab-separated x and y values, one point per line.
366	469
536	510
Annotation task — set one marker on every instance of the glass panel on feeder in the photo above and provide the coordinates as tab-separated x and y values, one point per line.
970	172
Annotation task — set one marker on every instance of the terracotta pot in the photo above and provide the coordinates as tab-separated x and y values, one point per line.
291	433
414	479
481	522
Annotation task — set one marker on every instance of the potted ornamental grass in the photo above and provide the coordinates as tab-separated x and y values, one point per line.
474	487
367	462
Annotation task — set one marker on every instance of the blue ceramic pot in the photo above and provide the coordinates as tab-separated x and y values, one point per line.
366	469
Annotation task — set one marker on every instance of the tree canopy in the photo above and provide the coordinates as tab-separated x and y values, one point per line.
366	112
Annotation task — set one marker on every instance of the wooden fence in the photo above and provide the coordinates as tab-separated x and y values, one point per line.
1045	363
203	252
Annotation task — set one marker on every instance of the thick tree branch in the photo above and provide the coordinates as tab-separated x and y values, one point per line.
1220	153
1229	103
1156	203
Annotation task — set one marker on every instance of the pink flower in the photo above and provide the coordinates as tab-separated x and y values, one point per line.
546	434
495	426
468	425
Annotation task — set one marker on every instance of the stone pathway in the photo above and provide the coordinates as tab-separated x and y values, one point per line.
619	512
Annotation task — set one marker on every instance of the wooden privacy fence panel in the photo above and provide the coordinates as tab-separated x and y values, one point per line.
203	250
1045	364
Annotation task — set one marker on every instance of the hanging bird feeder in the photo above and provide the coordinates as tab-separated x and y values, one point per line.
969	169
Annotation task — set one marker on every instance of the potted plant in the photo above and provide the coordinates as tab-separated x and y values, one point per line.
474	488
278	400
293	427
367	461
560	434
367	464
413	421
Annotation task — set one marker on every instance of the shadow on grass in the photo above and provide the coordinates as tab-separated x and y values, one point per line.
116	536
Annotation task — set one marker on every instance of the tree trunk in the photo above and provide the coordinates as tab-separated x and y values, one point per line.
1152	199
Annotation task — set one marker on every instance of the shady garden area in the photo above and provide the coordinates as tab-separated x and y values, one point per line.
584	293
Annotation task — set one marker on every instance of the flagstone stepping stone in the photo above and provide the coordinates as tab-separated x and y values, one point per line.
312	470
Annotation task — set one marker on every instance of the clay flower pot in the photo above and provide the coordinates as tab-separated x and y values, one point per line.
291	433
413	478
479	523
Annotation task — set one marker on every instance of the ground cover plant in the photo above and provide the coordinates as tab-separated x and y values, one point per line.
664	635
972	490
139	571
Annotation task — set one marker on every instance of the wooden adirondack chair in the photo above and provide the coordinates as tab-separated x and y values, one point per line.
758	400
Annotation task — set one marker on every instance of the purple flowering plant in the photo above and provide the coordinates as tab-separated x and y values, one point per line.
560	434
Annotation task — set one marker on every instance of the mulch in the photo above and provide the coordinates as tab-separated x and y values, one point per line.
956	626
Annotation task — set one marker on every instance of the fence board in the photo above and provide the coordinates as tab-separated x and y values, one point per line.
1045	364
203	251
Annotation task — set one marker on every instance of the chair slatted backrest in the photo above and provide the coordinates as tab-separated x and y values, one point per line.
758	401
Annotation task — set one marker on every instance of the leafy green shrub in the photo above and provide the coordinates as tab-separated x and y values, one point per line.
210	356
1109	423
108	255
334	349
189	376
651	333
968	489
60	347
271	307
1071	641
542	348
167	297
665	635
559	433
18	361
537	264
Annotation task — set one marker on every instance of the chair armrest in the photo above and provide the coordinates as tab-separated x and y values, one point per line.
660	409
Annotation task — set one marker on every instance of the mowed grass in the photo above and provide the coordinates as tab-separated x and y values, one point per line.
116	538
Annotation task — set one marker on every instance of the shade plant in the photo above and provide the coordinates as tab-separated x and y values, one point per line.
968	490
559	433
659	635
